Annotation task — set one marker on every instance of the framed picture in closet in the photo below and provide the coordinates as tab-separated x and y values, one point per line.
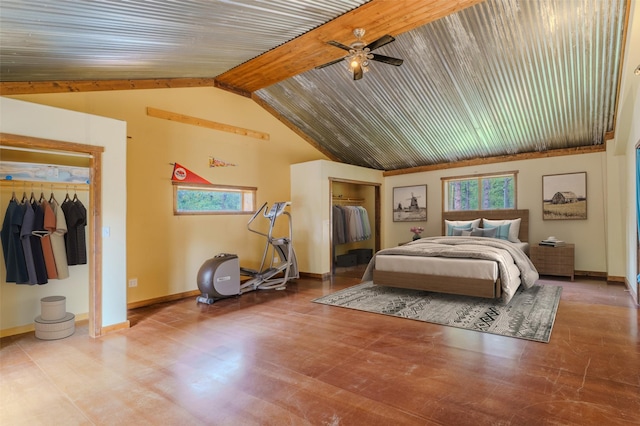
410	203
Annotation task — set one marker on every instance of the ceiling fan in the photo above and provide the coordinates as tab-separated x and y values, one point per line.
360	53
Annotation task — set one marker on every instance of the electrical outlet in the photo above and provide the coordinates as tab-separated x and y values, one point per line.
133	282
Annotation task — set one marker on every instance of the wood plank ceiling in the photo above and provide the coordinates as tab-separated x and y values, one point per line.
480	79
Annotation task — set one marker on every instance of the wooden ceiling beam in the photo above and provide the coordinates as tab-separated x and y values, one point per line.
36	87
378	17
499	159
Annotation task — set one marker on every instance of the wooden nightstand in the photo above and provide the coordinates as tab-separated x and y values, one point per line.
554	260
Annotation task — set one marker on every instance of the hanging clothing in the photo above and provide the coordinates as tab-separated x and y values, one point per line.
36	245
76	216
81	232
350	224
14	261
28	218
57	241
339	236
45	239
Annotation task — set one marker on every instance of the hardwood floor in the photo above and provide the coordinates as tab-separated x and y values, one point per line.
276	358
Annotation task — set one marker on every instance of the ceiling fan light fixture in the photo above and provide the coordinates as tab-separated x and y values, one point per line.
360	55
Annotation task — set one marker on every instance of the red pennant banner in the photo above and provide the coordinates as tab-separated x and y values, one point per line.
182	174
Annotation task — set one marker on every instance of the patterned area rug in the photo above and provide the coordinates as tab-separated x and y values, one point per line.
529	315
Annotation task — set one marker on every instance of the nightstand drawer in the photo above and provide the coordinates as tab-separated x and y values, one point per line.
554	260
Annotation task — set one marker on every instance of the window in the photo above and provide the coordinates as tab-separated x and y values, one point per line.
480	192
213	199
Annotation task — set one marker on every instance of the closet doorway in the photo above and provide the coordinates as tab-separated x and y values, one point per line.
365	196
94	209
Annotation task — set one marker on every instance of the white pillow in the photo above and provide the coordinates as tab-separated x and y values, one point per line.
514	228
449	224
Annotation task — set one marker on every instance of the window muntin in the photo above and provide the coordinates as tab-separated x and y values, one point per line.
213	199
480	192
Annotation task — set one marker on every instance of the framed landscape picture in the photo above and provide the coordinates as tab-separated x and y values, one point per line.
564	196
410	203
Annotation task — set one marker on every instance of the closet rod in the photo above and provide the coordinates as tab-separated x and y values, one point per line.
348	199
25	184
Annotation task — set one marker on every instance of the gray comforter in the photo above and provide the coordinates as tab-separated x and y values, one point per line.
500	251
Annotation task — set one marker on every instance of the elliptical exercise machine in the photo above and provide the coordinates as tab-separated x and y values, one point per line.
219	277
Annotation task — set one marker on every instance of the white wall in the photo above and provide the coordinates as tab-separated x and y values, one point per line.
27	119
311	206
627	136
588	235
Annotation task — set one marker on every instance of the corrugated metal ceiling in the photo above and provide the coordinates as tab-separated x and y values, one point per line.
501	77
115	39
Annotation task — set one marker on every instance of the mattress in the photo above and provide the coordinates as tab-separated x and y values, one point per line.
445	266
463	268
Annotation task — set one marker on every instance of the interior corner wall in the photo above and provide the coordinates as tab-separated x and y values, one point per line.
311	209
165	251
29	119
588	235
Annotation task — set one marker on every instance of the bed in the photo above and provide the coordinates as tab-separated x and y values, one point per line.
463	264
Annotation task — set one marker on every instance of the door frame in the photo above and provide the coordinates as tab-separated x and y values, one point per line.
377	220
94	211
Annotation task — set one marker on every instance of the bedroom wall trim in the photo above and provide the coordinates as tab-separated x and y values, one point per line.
499	159
115	327
321	277
28	328
163	299
592	274
187	295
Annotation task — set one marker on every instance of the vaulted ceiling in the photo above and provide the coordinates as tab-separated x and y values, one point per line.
480	79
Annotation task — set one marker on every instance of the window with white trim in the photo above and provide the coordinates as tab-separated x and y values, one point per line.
191	199
495	191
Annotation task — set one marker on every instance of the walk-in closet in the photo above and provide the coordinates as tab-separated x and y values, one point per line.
355	222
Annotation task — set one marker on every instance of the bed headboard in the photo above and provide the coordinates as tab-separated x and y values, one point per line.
494	215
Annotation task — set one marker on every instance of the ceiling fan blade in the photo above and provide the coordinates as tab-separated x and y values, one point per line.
357	72
340	45
329	63
385	39
387	60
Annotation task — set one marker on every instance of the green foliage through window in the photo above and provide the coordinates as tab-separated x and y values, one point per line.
486	192
213	199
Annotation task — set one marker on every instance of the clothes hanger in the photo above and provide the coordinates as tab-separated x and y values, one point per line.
66	197
75	194
52	197
42	197
24	194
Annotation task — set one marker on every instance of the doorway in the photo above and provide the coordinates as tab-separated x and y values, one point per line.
353	253
94	257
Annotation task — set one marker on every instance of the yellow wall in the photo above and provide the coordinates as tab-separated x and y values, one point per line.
588	235
164	252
